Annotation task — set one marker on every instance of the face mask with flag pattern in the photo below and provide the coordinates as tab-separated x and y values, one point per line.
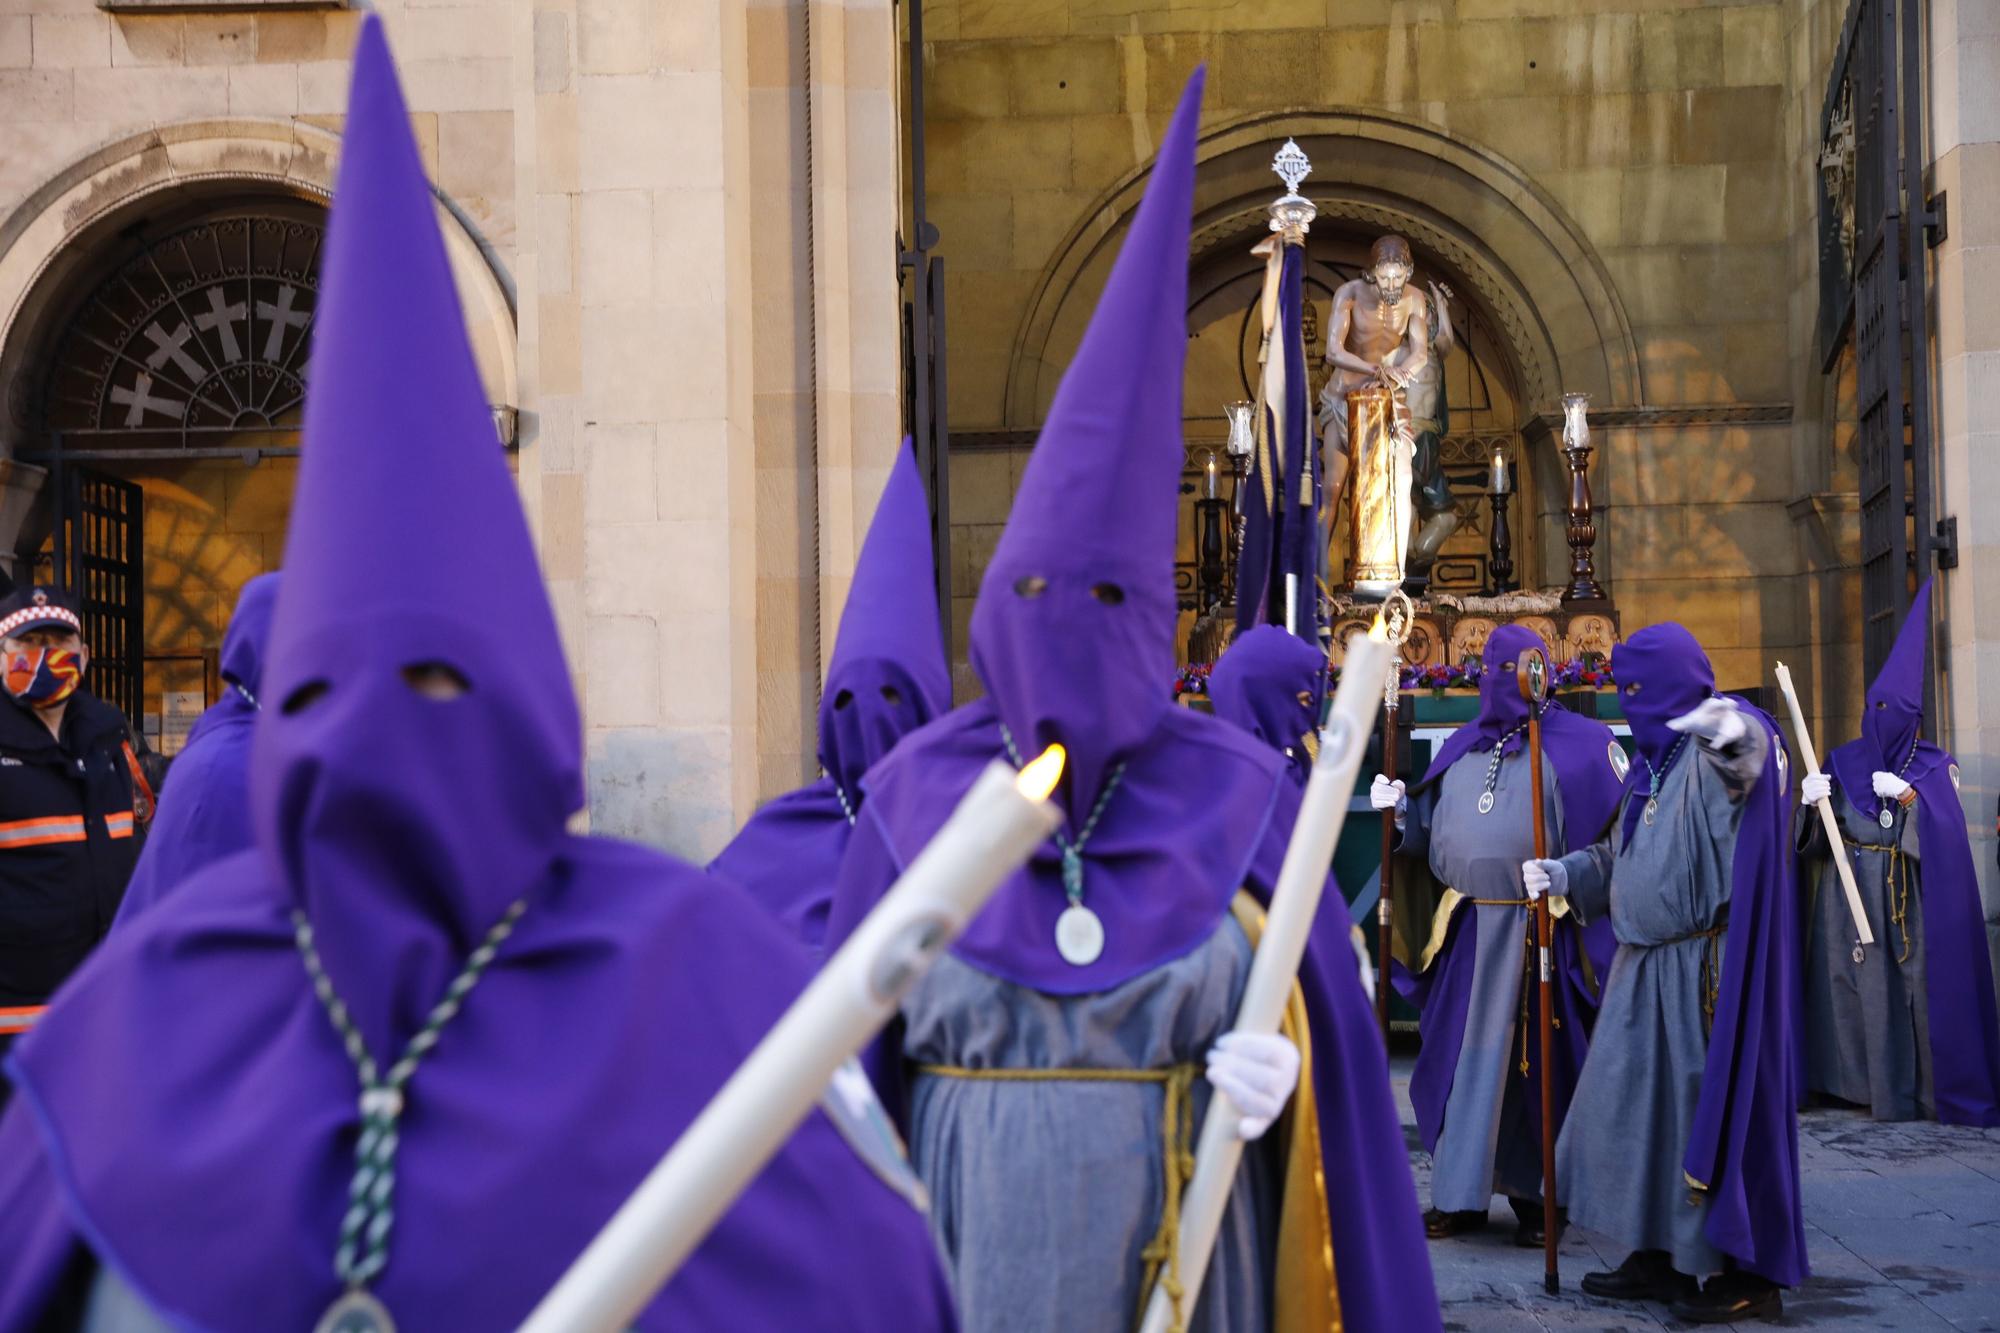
43	677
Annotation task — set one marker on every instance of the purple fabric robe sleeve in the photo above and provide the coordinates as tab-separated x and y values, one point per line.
46	1265
1958	971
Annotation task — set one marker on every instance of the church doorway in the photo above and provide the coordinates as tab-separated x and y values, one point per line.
165	401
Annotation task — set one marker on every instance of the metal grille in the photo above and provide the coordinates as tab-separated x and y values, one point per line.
202	329
1872	221
98	557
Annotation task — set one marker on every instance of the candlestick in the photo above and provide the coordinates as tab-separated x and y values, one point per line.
1833	834
991	834
1294	903
1582	519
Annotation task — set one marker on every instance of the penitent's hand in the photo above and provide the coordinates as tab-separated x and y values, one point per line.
1715	720
1258	1072
1544	877
1890	787
1814	788
1386	795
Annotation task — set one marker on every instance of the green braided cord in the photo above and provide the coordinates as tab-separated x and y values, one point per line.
1072	852
363	1250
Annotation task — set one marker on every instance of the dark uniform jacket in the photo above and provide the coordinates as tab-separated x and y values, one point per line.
69	834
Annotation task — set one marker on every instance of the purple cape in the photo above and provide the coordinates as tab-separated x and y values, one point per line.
887	678
1745	1142
205	1150
205	810
1958	971
1744	1146
1258	684
1163	896
1579	750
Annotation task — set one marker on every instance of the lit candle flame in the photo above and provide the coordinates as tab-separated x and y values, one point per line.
1379	631
1038	779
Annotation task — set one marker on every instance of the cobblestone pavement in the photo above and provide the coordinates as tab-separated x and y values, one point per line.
1902	1224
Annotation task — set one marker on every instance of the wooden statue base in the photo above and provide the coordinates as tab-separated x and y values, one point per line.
1448	629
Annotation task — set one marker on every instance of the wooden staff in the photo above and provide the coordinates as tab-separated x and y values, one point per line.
1385	911
1533	676
1398	616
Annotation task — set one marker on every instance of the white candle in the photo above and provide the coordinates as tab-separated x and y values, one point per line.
1209	482
1827	817
991	834
1294	903
1498	482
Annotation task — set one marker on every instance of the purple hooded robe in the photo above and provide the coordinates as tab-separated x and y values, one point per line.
1587	776
1964	1032
1072	635
203	1154
887	678
204	812
1270	683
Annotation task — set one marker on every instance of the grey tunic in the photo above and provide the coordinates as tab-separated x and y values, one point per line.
1866	1026
1485	1145
115	1308
1618	1162
1044	1194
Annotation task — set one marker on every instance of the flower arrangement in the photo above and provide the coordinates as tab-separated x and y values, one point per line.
1589	672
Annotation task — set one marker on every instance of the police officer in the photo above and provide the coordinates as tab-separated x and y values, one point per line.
71	802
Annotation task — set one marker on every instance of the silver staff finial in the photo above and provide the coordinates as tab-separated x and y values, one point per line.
1294	210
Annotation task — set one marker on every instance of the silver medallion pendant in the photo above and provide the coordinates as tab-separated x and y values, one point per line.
1857	951
1079	936
1652	811
356	1312
1486	803
1887	818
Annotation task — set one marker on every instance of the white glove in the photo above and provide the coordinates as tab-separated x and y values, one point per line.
1387	795
1814	788
1257	1071
1361	961
1715	720
1540	877
1890	787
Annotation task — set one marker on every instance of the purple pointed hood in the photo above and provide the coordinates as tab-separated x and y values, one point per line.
1074	629
1258	685
370	800
1893	713
243	649
888	675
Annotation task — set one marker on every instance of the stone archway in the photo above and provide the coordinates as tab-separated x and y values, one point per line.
1518	259
55	238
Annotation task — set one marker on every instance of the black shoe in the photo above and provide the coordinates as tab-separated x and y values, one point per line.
1442	1226
1729	1298
1646	1275
1528	1224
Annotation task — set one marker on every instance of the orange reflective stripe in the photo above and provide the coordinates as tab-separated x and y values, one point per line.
20	1019
39	832
119	823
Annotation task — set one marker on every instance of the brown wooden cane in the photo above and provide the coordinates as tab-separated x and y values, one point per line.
1532	675
1385	912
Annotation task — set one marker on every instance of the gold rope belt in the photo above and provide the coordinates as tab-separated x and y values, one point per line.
1177	1138
1898	885
1528	967
1711	969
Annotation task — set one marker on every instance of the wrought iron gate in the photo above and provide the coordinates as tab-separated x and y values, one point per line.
921	275
99	542
1874	223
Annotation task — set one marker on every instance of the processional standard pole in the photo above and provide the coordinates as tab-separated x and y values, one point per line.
1398	614
1533	677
